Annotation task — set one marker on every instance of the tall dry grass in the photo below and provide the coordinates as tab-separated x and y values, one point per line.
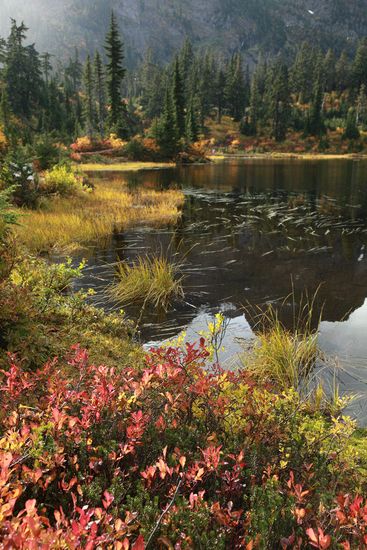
93	217
154	281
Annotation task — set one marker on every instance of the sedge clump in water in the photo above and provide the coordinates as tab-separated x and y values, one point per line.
154	281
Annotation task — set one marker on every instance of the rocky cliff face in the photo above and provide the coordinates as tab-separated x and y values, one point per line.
224	26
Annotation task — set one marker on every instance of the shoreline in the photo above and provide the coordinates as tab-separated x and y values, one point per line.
133	166
291	156
137	166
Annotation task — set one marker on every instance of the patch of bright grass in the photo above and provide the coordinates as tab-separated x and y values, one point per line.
124	166
94	216
285	357
152	281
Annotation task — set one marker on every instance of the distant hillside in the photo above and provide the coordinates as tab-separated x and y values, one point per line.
222	25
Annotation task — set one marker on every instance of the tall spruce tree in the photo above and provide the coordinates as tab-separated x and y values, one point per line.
359	72
235	88
254	106
351	129
100	93
342	72
192	130
220	98
22	73
165	130
280	102
301	74
315	121
178	97
115	76
361	113
89	105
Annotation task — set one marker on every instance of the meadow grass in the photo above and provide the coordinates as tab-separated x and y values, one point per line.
123	166
90	217
152	281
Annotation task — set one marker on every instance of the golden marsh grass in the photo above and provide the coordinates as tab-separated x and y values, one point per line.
152	281
89	217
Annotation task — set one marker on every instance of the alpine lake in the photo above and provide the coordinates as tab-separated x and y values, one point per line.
254	233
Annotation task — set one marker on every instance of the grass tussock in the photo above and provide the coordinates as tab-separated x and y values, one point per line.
285	357
95	216
152	281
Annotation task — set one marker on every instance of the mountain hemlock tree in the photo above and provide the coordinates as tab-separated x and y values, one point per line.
100	93
74	73
235	88
22	73
89	107
361	114
315	122
178	99
192	130
351	129
254	107
115	76
342	72
359	71
220	100
280	102
5	111
301	75
165	130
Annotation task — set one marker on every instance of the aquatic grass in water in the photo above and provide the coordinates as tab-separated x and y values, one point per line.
93	217
287	358
152	281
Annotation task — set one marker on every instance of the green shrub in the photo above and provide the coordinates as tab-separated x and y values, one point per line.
61	180
17	174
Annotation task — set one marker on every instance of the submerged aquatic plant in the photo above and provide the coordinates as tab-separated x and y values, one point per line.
153	281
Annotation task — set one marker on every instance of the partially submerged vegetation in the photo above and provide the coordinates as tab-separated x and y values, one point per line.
150	281
90	217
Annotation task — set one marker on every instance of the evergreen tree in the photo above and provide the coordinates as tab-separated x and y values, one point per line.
115	76
342	72
204	75
301	75
192	130
89	106
361	114
74	73
359	72
22	73
46	66
152	86
178	99
254	106
315	123
100	93
329	71
5	113
351	129
165	130
280	102
186	59
220	99
235	88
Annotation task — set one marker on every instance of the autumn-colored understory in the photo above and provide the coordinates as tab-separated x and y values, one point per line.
171	455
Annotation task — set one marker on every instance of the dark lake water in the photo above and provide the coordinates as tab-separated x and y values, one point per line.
250	232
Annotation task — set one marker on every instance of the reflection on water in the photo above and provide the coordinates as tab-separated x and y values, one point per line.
250	231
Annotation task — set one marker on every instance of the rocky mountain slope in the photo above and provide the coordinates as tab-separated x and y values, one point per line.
222	25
